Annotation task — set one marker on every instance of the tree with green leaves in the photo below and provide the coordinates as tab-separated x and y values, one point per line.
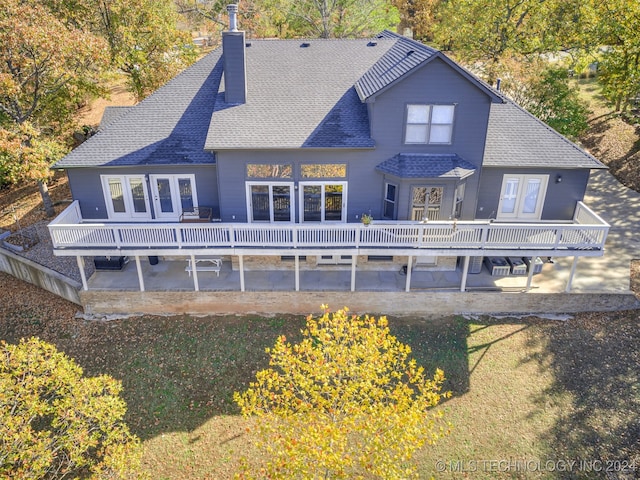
55	423
419	16
144	41
306	18
615	27
345	401
545	90
338	18
483	32
47	67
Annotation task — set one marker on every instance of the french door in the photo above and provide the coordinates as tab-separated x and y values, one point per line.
426	203
270	202
522	197
323	201
172	195
126	197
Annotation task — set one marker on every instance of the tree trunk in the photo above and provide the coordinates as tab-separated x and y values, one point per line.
46	198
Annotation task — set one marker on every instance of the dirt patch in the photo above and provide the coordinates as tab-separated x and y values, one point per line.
21	205
612	139
118	96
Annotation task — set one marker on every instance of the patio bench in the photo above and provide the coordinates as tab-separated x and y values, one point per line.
205	265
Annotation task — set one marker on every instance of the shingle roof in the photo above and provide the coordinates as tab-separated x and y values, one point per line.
402	57
411	165
168	127
111	114
299	96
515	138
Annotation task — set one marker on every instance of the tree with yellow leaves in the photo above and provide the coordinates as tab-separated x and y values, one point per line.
55	423
345	402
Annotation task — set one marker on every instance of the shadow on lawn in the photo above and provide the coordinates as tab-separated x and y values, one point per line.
597	363
179	372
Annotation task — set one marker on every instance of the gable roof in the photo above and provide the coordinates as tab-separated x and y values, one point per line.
516	138
299	94
407	55
303	94
168	127
403	56
415	165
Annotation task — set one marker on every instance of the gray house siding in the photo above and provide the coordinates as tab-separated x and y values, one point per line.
86	186
560	200
434	83
364	190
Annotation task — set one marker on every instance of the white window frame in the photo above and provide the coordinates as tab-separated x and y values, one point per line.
429	124
519	197
458	200
175	194
392	202
301	186
271	213
129	213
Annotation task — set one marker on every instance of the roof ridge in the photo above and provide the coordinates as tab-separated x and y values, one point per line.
407	39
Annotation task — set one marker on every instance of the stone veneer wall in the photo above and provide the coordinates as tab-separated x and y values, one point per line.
422	303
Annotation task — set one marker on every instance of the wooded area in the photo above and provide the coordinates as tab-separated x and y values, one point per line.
57	55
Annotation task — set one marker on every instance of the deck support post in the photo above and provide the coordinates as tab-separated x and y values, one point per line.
241	265
465	273
297	272
407	287
194	270
83	276
532	267
139	269
573	271
353	273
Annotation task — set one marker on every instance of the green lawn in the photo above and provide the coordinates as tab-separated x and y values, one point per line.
526	392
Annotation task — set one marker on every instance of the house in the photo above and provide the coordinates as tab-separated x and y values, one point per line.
267	153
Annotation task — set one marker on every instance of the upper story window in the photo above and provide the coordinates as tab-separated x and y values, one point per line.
429	124
264	170
324	170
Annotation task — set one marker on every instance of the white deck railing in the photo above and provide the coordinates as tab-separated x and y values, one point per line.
587	232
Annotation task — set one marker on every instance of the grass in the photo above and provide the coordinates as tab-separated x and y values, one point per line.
524	390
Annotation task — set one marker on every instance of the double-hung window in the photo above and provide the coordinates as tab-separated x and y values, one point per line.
429	124
389	210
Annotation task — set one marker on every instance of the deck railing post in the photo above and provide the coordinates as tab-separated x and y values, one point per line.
484	235
178	232
115	233
232	236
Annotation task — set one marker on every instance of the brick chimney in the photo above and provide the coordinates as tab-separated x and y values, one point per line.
235	69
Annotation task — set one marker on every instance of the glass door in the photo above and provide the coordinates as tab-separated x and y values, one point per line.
172	195
426	203
126	197
270	202
323	201
522	197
